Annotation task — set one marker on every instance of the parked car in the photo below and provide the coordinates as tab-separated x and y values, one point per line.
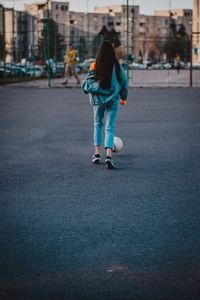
35	71
161	66
148	63
4	72
138	66
84	66
17	71
58	70
196	66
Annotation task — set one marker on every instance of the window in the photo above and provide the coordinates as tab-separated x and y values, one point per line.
111	23
187	14
64	7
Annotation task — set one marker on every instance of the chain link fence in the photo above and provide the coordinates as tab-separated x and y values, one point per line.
33	48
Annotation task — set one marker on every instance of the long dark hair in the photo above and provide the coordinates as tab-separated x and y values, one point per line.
105	61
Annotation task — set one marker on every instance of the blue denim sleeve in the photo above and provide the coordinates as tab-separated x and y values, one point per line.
89	85
123	84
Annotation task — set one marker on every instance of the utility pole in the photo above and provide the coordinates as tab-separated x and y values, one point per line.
127	37
20	42
170	29
191	57
88	28
191	48
48	44
170	39
13	36
4	46
33	44
55	41
132	27
13	33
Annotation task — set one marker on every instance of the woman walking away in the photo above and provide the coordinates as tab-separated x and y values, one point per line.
107	85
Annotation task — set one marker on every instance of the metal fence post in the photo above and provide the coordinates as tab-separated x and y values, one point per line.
127	37
191	48
48	44
4	46
191	57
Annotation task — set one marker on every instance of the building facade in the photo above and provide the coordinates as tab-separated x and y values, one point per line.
196	31
179	17
125	22
140	35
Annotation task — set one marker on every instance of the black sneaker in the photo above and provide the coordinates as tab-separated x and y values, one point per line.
96	158
109	163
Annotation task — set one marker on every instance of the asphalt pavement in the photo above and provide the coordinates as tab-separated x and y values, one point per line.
71	230
137	78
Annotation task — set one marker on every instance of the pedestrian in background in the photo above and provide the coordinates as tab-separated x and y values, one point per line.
49	65
178	63
70	64
106	84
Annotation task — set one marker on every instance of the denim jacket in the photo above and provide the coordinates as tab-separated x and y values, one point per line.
98	95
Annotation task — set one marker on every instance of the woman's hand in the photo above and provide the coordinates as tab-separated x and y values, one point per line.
123	102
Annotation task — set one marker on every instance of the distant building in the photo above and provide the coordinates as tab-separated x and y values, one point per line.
10	33
115	16
154	31
179	16
150	35
143	34
58	12
16	34
196	31
1	18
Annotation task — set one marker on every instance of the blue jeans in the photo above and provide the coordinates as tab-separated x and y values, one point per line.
109	110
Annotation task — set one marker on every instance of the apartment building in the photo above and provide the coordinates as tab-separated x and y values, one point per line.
1	18
116	17
10	16
142	33
178	17
147	36
196	31
58	12
16	34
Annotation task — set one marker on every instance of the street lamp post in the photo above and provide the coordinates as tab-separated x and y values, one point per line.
88	27
4	46
127	36
191	57
48	43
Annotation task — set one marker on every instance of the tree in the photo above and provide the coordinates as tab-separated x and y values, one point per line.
82	49
1	47
177	43
104	34
57	45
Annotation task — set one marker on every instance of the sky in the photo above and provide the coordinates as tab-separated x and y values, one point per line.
146	6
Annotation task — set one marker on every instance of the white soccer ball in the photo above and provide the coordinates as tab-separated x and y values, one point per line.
118	144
